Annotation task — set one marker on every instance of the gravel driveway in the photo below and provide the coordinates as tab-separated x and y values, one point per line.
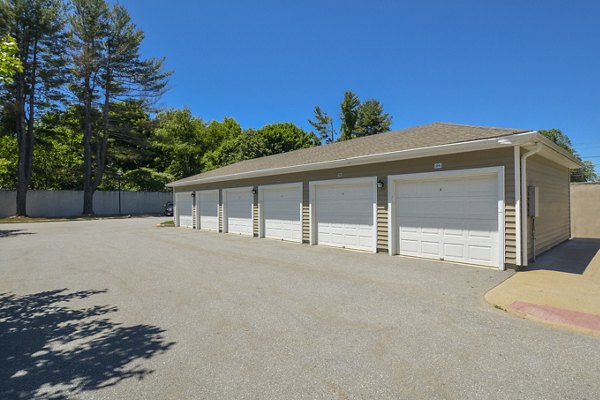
123	309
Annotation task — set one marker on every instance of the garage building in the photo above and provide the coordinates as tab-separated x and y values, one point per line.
478	195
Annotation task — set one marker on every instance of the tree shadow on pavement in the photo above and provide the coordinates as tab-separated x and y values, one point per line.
14	232
51	351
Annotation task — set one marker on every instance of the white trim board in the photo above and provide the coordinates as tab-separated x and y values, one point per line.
518	226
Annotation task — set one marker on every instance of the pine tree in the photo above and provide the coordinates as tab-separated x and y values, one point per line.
323	123
89	28
371	119
109	71
357	119
348	115
38	27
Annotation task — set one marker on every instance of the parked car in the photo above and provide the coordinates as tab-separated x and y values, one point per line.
169	208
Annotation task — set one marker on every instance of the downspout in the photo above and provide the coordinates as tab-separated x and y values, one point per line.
517	167
524	228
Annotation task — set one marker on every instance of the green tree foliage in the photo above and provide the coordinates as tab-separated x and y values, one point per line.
178	143
217	132
357	119
372	119
146	179
129	144
585	174
8	162
150	152
323	123
58	155
38	27
349	115
9	62
246	145
558	137
271	139
57	152
284	137
108	71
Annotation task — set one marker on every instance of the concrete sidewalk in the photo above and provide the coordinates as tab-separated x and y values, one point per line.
562	288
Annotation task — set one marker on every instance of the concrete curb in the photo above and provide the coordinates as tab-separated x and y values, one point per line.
506	297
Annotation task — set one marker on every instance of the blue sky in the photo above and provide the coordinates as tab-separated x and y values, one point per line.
524	64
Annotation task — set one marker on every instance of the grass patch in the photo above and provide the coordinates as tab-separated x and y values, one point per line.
20	220
166	223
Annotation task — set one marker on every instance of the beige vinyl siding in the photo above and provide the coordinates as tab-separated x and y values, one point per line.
382	216
220	211
255	221
476	159
305	214
552	225
194	211
510	233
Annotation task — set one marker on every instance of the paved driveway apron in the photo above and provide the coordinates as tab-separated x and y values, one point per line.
122	309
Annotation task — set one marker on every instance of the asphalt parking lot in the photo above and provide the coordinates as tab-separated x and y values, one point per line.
122	309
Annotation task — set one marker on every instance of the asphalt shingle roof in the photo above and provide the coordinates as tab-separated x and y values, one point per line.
435	134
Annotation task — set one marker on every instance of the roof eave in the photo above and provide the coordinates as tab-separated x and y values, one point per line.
557	154
461	147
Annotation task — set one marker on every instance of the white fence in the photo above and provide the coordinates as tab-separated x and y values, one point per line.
69	203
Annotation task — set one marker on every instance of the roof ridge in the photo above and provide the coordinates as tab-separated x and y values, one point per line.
481	126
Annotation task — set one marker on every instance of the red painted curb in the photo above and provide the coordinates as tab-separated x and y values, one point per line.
560	315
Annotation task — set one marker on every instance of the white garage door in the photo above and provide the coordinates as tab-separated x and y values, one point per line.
452	219
280	209
344	214
207	206
183	209
238	210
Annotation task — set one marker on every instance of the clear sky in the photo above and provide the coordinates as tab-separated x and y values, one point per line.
510	63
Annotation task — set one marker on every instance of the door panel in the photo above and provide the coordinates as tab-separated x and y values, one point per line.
183	204
208	209
344	215
239	212
453	219
281	214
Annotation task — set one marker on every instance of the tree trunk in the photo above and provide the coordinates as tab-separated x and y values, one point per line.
102	142
88	189
31	118
22	141
25	134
